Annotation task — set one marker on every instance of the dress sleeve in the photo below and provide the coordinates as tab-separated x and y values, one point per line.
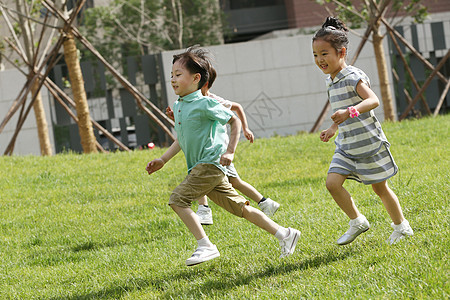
227	103
217	112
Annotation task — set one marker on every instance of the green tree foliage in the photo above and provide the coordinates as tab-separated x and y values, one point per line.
138	27
357	14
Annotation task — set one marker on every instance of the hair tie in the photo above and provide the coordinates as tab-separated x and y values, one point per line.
331	27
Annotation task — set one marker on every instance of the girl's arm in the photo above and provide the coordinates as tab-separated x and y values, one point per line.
326	135
236	107
158	163
227	157
370	102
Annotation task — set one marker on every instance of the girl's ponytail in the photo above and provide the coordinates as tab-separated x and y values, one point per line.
334	32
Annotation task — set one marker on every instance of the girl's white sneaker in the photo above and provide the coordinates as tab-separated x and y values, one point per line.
357	226
400	232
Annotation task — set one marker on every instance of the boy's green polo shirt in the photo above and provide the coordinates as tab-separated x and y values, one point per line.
199	123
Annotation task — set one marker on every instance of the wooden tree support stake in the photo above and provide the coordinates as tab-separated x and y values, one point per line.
425	85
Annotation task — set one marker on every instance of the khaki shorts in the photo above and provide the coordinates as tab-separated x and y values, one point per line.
207	179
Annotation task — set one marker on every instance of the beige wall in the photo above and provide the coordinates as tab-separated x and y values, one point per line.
276	81
11	83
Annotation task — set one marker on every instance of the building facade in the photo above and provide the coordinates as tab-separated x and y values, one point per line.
267	66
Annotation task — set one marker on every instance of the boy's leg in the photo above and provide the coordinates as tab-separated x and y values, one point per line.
196	184
358	222
288	237
203	201
190	219
256	217
225	196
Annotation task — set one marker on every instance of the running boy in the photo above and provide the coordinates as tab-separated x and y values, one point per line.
362	150
199	124
267	205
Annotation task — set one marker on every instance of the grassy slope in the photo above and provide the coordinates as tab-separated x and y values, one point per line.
96	226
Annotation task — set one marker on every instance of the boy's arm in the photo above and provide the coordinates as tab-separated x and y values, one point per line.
158	163
236	107
169	113
227	157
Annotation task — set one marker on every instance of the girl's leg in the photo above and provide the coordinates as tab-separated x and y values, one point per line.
390	201
358	223
204	212
340	195
191	221
203	201
268	206
245	188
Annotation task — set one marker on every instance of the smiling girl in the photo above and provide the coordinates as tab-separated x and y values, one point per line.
362	150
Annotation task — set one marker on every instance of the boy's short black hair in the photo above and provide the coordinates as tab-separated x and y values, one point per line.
195	61
212	76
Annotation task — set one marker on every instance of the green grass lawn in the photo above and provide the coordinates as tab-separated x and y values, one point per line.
97	226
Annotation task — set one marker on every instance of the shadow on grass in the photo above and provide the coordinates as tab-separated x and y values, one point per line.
222	283
135	284
295	182
164	288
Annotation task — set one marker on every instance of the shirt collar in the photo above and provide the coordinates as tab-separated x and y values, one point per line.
192	96
342	74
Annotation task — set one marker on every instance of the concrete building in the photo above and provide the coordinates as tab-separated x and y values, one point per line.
266	65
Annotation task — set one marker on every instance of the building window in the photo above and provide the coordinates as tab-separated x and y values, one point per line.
238	4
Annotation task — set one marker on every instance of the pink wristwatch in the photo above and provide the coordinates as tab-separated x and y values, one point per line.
353	112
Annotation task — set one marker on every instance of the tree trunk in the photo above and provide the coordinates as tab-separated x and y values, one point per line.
41	122
38	107
79	95
380	57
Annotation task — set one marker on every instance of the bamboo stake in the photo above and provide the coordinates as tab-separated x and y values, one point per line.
441	100
413	50
50	64
50	61
131	89
408	97
68	110
425	85
51	84
408	69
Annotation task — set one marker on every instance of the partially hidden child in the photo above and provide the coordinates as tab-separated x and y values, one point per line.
201	135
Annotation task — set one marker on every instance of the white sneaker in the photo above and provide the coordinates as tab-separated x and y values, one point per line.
356	228
288	244
400	232
269	207
202	254
205	215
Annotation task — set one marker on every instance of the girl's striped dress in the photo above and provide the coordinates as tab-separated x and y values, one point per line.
362	150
